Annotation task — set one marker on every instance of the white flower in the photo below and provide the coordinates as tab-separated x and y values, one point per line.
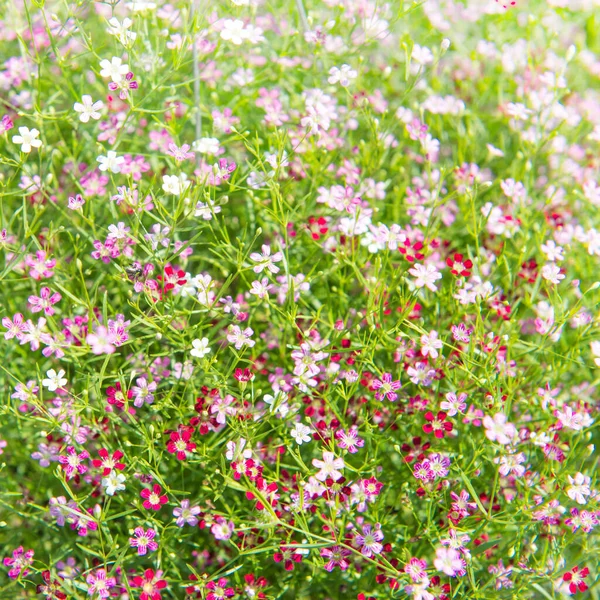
551	273
172	184
301	433
111	162
206	145
580	488
54	380
233	31
343	75
88	108
278	403
27	138
120	30
113	483
114	68
200	348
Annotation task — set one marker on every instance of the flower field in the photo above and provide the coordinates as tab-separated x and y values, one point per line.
299	299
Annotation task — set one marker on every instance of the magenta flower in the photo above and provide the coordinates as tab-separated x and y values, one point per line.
349	440
143	540
73	463
336	556
369	541
100	584
16	327
19	562
44	301
386	387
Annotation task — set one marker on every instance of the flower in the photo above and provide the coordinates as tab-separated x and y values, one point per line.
430	344
266	260
386	387
179	443
337	556
101	340
450	562
459	266
200	348
27	138
425	276
240	338
153	498
497	429
114	483
580	488
186	515
575	579
288	555
233	31
88	109
73	462
437	424
151	584
113	68
19	563
100	584
44	301
111	162
328	467
222	529
369	541
219	590
301	433
54	380
143	540
342	75
349	440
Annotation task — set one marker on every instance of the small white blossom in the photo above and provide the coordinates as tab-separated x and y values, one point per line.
88	108
301	433
54	380
114	483
27	138
111	162
114	68
200	348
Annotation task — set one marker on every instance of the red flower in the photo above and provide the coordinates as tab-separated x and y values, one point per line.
437	424
150	583
411	252
153	498
51	587
529	271
288	556
317	227
173	277
117	397
180	444
107	463
253	585
459	266
575	577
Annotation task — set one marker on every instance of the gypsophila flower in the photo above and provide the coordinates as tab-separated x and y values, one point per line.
115	482
111	162
54	380
301	433
88	109
143	540
200	348
27	139
113	68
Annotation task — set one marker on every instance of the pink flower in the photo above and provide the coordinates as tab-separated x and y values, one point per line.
336	556
44	301
150	583
19	562
386	387
153	498
219	590
16	327
72	463
369	541
100	584
328	467
222	529
497	429
450	562
143	540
